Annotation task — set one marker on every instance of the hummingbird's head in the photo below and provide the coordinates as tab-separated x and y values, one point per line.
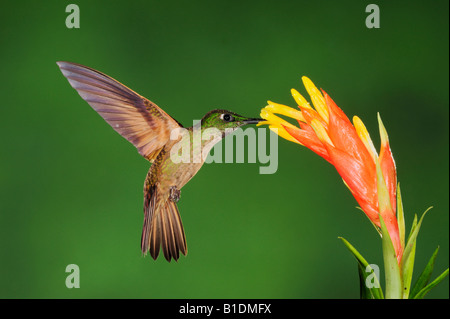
226	121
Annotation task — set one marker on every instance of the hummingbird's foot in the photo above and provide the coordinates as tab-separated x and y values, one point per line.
174	194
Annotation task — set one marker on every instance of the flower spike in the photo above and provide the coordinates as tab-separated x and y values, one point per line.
327	131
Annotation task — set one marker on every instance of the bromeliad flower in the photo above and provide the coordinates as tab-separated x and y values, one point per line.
371	177
327	131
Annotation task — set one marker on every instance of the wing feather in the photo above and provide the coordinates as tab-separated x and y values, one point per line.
134	117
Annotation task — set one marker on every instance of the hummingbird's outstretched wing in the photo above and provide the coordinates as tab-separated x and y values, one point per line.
134	117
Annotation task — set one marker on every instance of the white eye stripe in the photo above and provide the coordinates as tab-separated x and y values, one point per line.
226	117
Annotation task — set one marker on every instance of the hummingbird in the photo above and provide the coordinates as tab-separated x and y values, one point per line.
149	129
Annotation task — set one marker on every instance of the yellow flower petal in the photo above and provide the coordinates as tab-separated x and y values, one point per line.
316	97
285	110
364	136
280	131
321	132
301	101
273	119
262	123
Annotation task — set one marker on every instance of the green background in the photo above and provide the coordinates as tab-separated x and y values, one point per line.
71	187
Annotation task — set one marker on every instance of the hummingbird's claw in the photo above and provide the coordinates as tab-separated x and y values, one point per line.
174	194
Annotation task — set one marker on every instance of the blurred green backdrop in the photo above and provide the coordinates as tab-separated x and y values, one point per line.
71	187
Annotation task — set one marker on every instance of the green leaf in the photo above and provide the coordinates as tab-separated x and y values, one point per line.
408	254
413	226
364	291
400	217
391	268
365	270
407	270
433	284
425	276
407	266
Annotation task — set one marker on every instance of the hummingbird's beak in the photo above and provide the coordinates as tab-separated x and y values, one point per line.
252	121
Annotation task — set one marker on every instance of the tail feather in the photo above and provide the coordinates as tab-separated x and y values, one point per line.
162	227
169	238
155	236
149	208
177	227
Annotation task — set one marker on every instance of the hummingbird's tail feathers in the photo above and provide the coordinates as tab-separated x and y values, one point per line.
173	237
134	117
167	230
162	227
149	208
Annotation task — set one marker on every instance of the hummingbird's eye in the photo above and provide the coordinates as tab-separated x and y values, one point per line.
227	117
